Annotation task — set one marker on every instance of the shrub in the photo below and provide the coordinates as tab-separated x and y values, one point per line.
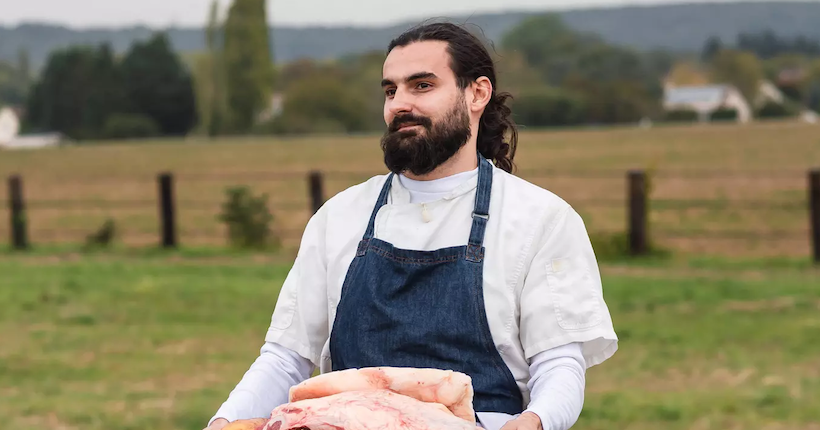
773	109
723	114
681	115
103	237
248	219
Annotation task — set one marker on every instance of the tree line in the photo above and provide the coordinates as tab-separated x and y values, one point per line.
86	93
557	76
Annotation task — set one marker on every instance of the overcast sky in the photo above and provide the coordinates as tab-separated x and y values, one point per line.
162	13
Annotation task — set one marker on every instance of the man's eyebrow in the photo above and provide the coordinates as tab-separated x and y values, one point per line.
413	77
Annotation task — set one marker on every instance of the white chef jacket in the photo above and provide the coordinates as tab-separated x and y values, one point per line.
542	286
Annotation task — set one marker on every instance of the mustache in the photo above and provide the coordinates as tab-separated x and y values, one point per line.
409	119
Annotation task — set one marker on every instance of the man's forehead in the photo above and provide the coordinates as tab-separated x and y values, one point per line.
427	56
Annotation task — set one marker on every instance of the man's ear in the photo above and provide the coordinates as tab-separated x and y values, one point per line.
482	91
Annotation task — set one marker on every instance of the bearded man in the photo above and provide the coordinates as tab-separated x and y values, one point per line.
448	261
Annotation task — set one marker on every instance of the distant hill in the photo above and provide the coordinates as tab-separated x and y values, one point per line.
682	27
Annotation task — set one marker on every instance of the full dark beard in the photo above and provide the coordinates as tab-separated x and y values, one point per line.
422	153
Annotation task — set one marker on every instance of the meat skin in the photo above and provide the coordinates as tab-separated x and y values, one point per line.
370	409
453	390
253	424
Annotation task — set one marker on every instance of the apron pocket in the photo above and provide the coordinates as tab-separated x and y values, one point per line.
577	304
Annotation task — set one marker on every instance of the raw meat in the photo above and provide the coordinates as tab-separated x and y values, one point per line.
254	424
365	410
452	389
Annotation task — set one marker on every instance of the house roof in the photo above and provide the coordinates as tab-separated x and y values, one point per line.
696	94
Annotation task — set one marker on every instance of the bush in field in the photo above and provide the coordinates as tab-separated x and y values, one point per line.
723	114
248	219
104	237
681	115
773	109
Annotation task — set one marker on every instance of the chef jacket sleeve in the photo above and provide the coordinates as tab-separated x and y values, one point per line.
300	318
562	297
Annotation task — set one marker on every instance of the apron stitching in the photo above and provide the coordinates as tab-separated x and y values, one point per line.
389	255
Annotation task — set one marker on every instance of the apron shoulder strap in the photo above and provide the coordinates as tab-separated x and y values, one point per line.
481	211
371	225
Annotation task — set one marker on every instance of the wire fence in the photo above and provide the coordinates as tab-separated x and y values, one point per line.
716	211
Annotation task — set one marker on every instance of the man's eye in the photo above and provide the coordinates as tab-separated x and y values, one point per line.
390	92
423	85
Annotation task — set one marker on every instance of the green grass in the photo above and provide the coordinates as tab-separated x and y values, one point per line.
127	344
157	340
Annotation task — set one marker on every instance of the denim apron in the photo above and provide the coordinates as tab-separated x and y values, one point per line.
424	309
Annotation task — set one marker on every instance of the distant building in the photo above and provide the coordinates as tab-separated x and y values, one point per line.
273	110
809	116
34	141
705	99
768	92
10	137
791	76
9	126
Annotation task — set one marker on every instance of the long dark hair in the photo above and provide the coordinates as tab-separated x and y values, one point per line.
469	60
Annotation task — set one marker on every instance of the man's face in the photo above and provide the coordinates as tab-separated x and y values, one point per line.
425	111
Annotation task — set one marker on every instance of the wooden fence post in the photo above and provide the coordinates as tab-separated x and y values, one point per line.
19	230
315	188
637	212
814	211
167	210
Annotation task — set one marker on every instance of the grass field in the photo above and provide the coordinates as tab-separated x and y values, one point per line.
719	189
115	340
138	338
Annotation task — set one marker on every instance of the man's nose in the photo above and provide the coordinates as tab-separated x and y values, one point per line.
402	103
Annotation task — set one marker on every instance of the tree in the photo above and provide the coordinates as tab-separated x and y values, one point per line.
813	97
79	88
362	74
544	106
320	104
613	101
15	81
248	63
796	90
213	108
711	48
108	93
11	90
548	45
766	44
590	67
738	68
514	74
158	86
24	67
687	73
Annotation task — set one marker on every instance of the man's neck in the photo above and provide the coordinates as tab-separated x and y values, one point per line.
464	160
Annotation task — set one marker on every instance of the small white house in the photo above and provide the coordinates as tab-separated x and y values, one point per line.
9	126
705	99
10	137
35	141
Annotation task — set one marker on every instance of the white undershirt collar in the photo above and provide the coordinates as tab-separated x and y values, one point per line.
427	191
